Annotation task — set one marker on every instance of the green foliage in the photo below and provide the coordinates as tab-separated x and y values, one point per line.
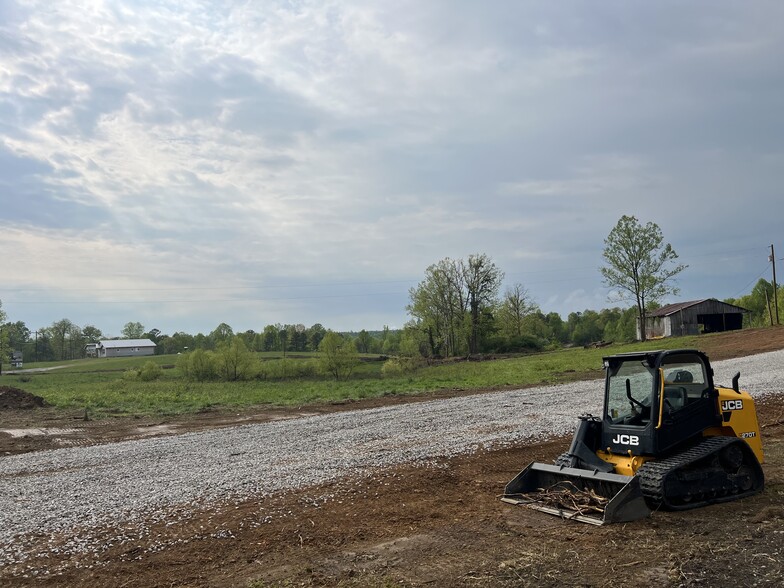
515	344
149	372
363	342
101	384
233	360
760	302
439	307
133	330
339	357
396	367
287	368
639	264
198	365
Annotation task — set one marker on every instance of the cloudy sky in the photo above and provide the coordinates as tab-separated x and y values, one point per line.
186	163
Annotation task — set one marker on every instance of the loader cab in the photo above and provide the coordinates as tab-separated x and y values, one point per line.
656	400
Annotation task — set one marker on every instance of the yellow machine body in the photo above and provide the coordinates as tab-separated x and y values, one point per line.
668	438
739	419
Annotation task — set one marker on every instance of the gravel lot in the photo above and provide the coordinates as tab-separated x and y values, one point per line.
63	492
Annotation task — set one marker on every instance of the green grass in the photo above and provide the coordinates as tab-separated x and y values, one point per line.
99	385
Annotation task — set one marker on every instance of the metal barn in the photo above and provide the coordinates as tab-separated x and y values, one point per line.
692	318
125	348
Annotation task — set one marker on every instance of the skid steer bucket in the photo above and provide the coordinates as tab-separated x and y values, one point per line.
587	496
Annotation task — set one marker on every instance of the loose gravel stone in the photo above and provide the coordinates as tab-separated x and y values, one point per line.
54	492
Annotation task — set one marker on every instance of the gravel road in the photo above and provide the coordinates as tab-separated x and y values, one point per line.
59	491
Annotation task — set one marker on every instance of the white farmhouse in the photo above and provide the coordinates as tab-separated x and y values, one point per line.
125	348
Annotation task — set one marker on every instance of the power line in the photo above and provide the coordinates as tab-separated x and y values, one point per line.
746	287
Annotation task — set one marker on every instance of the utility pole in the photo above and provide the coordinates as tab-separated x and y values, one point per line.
775	288
767	302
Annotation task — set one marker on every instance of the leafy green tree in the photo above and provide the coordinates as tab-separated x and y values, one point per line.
297	337
760	302
92	334
482	280
315	335
220	334
62	334
363	341
585	327
623	328
133	330
199	365
409	358
178	342
391	344
42	346
338	356
271	338
639	265
450	306
555	325
438	307
249	337
17	339
234	359
539	327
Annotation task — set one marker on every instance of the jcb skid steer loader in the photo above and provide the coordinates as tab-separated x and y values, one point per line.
668	438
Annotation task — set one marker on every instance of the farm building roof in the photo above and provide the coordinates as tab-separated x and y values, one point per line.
671	309
124	343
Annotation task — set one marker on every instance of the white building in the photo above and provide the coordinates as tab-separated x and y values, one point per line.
125	348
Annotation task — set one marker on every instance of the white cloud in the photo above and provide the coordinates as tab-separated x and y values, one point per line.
330	141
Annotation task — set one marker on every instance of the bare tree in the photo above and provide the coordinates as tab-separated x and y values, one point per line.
515	306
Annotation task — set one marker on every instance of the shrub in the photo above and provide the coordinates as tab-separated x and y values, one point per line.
130	375
283	369
398	366
198	365
150	371
392	368
338	356
234	360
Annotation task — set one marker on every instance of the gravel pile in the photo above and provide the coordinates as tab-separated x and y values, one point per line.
61	490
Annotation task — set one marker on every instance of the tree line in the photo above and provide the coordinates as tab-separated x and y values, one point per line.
457	309
513	323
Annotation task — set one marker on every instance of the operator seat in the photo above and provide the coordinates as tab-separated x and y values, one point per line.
674	397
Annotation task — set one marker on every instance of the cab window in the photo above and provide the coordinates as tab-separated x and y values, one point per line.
636	378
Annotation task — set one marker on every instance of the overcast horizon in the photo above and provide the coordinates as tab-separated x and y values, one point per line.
185	164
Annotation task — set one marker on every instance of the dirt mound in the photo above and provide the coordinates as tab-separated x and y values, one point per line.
14	398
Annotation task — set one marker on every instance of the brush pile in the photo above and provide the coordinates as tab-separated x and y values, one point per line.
565	495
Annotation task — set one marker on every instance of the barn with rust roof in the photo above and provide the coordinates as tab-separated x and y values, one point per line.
692	318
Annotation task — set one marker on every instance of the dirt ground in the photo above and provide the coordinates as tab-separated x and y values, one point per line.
440	525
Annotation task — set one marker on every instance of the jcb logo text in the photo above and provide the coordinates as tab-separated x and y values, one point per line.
732	405
626	439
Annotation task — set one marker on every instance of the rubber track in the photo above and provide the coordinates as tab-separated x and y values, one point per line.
653	474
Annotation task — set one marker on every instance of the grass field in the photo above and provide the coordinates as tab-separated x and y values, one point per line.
99	385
